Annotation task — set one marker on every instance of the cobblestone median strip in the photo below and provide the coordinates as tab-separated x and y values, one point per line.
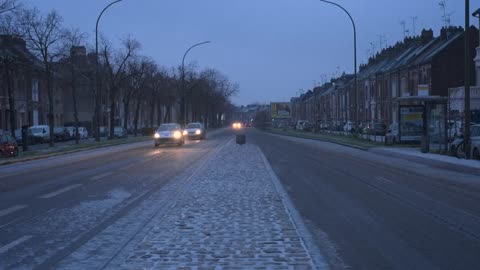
231	216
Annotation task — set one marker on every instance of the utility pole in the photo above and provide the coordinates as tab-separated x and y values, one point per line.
468	60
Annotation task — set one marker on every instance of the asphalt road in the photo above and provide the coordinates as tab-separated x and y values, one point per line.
374	212
51	207
365	211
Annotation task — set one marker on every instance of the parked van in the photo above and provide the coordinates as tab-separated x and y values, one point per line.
41	133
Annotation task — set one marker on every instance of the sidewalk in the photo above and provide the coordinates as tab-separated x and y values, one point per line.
233	214
436	160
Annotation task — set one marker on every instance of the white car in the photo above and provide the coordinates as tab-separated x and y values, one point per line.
41	133
195	131
458	147
348	127
82	132
171	133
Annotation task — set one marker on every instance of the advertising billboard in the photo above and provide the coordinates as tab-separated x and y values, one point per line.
411	123
281	110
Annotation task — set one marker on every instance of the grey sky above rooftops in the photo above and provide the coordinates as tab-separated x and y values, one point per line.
272	48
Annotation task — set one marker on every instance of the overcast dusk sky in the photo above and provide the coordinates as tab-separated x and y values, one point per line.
272	48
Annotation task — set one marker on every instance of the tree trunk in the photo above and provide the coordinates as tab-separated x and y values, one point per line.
11	97
51	121
113	91
166	118
126	111
75	107
135	121
152	112
159	113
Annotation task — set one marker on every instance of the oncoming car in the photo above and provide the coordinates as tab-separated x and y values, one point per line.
237	125
195	131
169	134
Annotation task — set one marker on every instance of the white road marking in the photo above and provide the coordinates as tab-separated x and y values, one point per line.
15	243
10	210
100	176
60	191
383	179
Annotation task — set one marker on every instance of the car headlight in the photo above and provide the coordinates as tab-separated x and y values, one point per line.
177	135
157	136
185	133
198	132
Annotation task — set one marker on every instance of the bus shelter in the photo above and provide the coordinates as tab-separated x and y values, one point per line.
424	119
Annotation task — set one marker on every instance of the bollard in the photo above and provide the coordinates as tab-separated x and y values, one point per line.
241	139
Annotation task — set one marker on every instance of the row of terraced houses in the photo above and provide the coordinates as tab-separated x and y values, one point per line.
409	72
23	91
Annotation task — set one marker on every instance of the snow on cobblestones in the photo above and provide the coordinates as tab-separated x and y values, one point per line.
229	217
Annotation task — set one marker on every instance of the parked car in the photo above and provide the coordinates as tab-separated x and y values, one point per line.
458	147
195	131
19	138
120	132
348	127
393	135
41	133
8	145
61	134
170	133
82	132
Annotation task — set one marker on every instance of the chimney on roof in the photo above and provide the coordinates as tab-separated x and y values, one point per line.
426	36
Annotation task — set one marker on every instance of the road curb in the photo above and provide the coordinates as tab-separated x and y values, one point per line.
320	139
430	162
10	162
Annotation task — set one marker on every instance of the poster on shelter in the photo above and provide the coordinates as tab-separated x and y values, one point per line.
280	110
411	123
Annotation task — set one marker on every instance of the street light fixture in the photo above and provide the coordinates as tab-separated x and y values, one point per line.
98	95
183	80
354	56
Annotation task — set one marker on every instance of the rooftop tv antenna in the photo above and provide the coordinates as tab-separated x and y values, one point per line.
414	22
405	30
445	17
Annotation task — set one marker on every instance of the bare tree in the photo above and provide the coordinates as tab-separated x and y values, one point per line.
115	65
10	61
137	71
74	38
45	37
8	5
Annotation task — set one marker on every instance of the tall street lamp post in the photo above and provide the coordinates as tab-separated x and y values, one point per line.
98	95
183	81
354	59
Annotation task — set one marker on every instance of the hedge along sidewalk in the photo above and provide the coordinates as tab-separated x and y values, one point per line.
349	141
64	149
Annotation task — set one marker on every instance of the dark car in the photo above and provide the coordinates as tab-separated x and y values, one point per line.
19	137
379	129
61	134
8	145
